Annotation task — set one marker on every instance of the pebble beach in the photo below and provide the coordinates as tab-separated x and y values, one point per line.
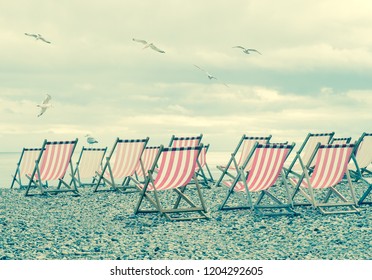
102	226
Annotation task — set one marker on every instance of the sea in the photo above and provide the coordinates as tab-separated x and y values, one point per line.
9	160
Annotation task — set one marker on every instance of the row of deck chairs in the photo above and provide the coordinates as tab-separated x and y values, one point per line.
322	162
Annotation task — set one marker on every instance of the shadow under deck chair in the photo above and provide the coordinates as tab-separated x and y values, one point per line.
164	191
51	165
25	165
306	151
267	164
331	163
89	162
120	165
244	147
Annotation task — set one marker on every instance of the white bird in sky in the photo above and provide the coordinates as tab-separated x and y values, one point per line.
210	76
44	105
151	45
91	140
37	37
247	51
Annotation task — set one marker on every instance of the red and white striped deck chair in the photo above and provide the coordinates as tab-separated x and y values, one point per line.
89	162
25	165
363	157
244	147
340	140
178	142
202	169
360	164
306	152
331	163
176	168
267	164
147	160
120	165
51	165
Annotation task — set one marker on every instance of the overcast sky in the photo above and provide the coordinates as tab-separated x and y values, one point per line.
314	74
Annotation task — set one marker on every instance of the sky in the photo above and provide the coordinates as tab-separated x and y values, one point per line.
314	74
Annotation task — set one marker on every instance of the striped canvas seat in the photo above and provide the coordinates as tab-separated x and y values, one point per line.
51	165
176	168
89	162
121	164
331	163
242	151
267	162
178	142
306	152
25	165
147	160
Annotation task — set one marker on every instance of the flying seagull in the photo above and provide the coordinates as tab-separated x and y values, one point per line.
210	76
151	45
91	140
45	105
37	37
247	51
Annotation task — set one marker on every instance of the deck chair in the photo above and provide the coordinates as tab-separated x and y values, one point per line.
363	157
178	142
305	151
120	165
367	181
25	165
340	140
164	192
244	147
89	162
148	158
51	165
331	163
267	165
202	169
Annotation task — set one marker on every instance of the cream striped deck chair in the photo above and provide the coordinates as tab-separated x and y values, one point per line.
340	140
25	165
164	192
89	162
267	162
51	165
305	151
331	163
242	150
147	160
178	142
120	165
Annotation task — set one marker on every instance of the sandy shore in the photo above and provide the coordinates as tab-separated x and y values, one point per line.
102	226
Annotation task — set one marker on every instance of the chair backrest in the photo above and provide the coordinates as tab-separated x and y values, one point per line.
363	154
125	157
247	143
27	160
90	161
330	165
178	142
267	163
54	159
310	143
340	140
148	158
176	167
202	159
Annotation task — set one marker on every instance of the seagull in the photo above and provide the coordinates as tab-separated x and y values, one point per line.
91	140
247	51
151	45
210	76
45	105
37	37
